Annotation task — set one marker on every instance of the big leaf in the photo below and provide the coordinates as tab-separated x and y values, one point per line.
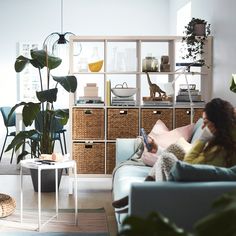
29	112
69	83
20	138
20	63
62	115
45	59
49	95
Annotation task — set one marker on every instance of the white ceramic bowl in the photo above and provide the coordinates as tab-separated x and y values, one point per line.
123	92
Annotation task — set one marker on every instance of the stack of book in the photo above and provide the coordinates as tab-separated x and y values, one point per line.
157	101
123	101
90	100
183	95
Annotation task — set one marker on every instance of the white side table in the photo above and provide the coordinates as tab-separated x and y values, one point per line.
33	164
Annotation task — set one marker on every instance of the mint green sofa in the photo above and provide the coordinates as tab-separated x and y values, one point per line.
182	202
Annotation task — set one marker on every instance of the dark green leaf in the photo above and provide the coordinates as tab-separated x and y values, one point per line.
22	156
233	84
69	83
45	59
20	138
49	95
29	112
62	116
20	63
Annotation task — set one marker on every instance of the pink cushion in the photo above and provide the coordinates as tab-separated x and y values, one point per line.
158	128
163	137
166	138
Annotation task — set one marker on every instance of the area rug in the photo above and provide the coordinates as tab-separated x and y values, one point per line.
90	222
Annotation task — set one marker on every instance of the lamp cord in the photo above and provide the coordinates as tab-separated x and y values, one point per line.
62	16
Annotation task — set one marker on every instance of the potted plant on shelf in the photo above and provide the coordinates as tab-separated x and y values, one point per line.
40	59
196	32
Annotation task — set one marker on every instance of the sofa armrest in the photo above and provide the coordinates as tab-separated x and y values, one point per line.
182	203
125	147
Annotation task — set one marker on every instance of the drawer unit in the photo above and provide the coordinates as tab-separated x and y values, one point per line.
111	157
149	117
90	157
122	123
88	123
182	116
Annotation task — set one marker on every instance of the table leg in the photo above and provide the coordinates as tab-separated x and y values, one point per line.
75	192
21	195
39	198
56	183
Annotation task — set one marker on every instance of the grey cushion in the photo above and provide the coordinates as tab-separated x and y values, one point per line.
197	130
185	172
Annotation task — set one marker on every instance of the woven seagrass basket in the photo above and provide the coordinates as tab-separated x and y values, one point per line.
122	123
7	205
149	117
183	116
88	123
90	157
111	157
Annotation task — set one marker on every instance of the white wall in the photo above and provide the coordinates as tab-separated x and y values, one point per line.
221	15
32	20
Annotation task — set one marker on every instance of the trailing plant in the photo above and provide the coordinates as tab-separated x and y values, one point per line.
195	43
40	59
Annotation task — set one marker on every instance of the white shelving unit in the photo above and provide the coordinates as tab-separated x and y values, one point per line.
123	57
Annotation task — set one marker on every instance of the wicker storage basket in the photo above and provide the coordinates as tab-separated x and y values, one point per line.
182	116
122	123
149	117
90	157
111	157
88	123
7	205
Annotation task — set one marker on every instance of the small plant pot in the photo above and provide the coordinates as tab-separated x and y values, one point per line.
199	29
47	179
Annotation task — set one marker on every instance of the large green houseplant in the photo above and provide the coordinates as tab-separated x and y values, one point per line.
196	32
40	59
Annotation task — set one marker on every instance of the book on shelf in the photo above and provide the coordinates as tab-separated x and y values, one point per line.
157	103
90	100
108	92
185	98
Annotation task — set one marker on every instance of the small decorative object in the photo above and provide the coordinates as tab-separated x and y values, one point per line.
91	90
165	65
196	33
122	90
95	63
150	64
154	88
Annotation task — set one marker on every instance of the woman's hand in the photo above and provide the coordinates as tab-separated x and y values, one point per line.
154	146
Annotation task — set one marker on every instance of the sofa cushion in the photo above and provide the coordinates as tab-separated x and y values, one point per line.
186	172
166	138
197	130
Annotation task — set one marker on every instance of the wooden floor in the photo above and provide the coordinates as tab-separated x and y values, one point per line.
92	193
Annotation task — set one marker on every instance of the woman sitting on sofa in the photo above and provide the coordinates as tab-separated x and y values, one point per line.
216	145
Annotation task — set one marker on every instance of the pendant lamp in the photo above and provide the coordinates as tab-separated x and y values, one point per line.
57	44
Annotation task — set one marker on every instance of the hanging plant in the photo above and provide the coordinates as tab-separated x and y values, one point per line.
196	32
